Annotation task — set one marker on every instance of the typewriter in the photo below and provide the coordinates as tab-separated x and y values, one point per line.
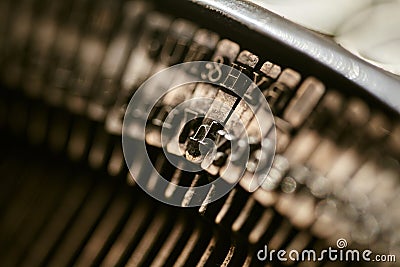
68	71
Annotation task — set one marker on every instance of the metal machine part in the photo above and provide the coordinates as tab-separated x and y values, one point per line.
68	72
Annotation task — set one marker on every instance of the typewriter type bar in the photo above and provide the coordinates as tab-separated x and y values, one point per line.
68	71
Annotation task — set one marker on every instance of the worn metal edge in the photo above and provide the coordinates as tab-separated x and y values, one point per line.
377	82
